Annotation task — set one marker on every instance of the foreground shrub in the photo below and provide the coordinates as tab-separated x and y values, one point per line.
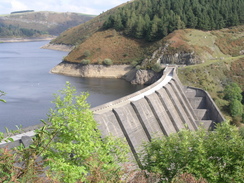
68	148
215	156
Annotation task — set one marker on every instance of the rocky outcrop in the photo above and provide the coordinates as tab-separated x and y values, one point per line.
145	77
180	58
168	55
126	72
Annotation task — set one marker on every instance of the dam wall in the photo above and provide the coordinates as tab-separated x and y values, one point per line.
163	108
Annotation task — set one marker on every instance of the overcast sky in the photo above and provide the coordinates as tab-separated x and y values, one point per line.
94	7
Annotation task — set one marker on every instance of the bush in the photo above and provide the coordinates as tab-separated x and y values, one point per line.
236	108
134	63
87	53
241	131
71	147
157	67
215	156
85	62
107	62
232	92
138	67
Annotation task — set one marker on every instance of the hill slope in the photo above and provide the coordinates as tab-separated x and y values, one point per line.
37	23
80	33
210	58
188	46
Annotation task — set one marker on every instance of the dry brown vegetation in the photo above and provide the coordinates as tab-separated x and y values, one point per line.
178	40
113	45
236	72
230	41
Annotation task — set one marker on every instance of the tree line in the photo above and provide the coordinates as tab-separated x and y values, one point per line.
11	30
154	19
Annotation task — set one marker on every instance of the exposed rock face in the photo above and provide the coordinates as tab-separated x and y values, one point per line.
145	77
126	72
180	58
166	55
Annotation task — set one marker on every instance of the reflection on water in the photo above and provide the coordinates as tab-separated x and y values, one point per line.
25	77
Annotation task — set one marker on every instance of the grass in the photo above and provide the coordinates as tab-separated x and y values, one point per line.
205	42
111	44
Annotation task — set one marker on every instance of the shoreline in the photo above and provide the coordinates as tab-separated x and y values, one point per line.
126	72
59	47
15	40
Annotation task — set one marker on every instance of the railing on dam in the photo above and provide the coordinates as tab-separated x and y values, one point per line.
162	108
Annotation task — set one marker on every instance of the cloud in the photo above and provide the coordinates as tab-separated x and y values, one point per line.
81	6
17	5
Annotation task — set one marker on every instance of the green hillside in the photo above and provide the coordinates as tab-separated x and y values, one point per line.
34	24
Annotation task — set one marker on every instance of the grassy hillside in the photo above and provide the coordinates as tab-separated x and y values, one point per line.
208	46
224	62
51	23
111	44
223	53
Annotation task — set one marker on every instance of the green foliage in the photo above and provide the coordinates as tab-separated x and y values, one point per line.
241	131
154	19
87	53
236	108
157	67
108	62
134	63
85	62
77	147
68	148
1	94
215	156
232	92
138	67
11	30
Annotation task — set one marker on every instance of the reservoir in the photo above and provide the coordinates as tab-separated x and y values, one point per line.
29	86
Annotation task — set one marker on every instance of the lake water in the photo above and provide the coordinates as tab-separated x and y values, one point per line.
25	77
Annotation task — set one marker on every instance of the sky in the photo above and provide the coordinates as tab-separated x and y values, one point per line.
93	7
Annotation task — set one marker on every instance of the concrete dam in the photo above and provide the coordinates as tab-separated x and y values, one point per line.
162	108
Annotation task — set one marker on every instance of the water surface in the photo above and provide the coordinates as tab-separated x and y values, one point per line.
25	77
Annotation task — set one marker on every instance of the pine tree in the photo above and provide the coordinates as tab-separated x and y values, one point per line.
118	22
139	27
